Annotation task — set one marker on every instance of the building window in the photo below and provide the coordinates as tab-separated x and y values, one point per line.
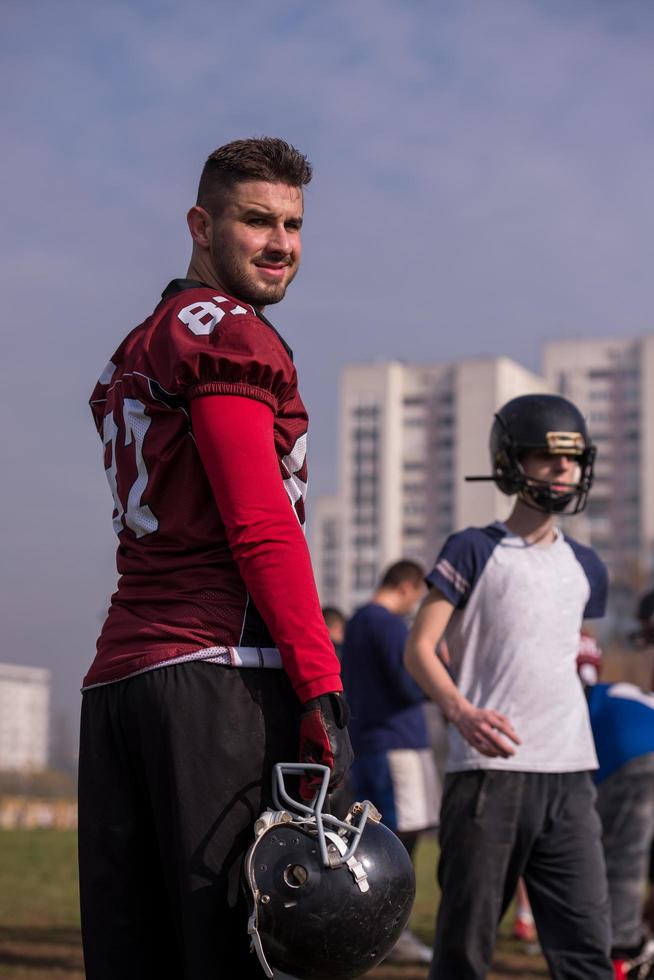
414	507
413	488
366	412
365	575
413	531
365	540
365	435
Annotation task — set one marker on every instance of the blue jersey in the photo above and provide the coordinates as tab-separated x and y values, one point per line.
622	718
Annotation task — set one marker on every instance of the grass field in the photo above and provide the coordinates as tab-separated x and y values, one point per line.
39	915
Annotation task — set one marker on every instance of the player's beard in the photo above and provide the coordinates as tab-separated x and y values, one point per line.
240	280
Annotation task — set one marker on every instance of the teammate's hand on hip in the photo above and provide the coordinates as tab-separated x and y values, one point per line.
485	729
324	740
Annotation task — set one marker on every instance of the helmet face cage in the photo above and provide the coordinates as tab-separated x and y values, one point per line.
508	448
314	812
328	897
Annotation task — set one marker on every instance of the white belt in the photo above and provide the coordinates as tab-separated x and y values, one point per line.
268	657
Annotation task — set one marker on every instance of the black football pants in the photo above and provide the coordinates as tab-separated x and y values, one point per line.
175	766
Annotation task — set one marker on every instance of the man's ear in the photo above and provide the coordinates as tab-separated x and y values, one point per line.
200	226
406	592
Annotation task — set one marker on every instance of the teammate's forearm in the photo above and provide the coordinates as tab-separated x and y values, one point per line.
426	668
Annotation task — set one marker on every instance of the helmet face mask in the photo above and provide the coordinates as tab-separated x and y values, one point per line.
328	897
547	424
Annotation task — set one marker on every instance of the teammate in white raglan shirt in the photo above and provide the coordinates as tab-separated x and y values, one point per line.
518	797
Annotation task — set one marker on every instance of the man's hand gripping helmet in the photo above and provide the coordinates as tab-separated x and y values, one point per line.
329	898
541	422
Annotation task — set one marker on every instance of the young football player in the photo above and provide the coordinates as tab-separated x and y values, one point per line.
214	662
519	797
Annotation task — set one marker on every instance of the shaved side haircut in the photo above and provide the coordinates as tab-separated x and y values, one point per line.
333	616
260	158
400	572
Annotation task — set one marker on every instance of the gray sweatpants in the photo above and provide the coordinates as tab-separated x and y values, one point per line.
497	826
625	802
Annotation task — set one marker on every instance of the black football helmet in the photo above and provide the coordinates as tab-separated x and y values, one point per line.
547	422
329	898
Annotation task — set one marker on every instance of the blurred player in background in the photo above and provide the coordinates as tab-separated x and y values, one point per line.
394	765
335	622
622	718
518	797
644	635
214	662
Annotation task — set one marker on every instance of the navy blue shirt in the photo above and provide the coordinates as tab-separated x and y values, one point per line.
385	701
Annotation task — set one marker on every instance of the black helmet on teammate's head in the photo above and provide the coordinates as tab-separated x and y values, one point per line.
328	898
541	422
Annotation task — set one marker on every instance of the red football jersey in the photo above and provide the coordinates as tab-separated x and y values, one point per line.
180	593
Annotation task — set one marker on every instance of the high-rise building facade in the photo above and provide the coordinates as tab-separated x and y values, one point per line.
612	381
325	530
24	718
409	434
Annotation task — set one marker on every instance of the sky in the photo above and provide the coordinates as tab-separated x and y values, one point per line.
484	183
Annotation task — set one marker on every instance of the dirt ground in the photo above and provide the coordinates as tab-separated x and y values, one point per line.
508	966
40	954
55	954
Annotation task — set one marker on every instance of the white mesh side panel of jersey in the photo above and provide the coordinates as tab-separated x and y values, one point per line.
294	486
138	516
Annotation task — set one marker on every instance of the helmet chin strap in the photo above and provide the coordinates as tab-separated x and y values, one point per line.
539	495
355	867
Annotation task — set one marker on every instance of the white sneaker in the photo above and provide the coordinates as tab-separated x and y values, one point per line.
409	949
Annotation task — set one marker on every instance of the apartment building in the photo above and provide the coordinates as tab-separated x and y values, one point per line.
325	530
612	381
24	718
408	436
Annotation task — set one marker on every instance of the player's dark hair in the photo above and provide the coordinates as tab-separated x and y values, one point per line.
332	616
259	158
402	571
645	608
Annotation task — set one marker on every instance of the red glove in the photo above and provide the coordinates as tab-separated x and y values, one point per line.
324	741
